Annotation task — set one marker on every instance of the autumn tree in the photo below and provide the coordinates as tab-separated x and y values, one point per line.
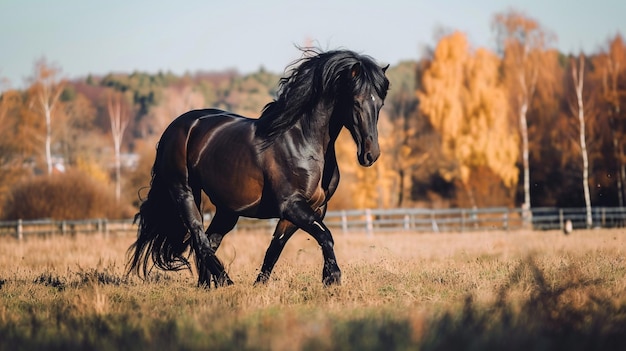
490	138
522	42
8	101
441	89
464	99
21	128
45	90
400	132
73	128
249	94
176	100
610	67
119	117
9	162
145	92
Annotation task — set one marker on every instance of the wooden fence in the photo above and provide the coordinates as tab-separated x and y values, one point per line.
367	221
42	227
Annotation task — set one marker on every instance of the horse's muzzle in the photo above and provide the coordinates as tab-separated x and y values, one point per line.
369	152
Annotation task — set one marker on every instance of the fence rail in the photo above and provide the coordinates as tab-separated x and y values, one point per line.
368	221
21	228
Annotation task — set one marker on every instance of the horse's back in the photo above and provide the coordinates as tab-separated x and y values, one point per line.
221	156
191	118
214	131
176	144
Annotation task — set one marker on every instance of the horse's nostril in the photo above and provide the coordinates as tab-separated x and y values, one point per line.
369	157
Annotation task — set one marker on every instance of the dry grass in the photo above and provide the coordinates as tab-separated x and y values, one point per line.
511	291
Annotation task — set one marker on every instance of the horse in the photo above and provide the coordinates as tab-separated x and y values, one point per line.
282	165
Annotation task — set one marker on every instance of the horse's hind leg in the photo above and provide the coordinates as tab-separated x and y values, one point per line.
207	263
284	230
222	223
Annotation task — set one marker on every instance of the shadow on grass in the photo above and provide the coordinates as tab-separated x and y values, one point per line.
83	277
547	320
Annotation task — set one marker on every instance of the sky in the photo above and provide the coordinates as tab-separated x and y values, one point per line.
84	37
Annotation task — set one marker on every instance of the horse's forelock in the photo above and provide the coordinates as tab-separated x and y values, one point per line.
372	76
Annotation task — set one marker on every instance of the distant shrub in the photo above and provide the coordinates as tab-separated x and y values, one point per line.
72	195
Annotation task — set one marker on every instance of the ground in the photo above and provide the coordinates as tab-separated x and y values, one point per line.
488	290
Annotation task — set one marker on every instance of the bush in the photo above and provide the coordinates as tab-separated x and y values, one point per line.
71	195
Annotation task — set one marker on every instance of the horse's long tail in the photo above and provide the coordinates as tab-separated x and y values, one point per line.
162	235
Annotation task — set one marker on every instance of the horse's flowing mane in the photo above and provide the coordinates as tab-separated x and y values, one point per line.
318	77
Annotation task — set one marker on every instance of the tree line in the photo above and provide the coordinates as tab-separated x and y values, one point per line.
521	125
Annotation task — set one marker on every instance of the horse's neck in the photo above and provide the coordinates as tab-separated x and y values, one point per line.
321	129
318	132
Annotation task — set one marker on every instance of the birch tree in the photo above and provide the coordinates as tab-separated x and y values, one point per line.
578	76
119	118
521	40
45	91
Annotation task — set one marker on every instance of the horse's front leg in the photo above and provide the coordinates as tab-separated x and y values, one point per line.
300	213
284	230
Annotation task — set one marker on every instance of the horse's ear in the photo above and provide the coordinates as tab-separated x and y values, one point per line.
355	70
385	68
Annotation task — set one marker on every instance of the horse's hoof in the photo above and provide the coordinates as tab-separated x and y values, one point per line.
223	280
204	284
333	278
262	278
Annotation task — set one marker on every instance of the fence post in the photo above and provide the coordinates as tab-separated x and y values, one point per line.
434	222
407	222
561	219
63	227
369	226
462	221
20	230
506	220
344	221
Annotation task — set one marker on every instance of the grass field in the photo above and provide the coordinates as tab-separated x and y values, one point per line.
400	291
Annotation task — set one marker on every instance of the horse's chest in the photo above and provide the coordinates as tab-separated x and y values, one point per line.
308	182
310	185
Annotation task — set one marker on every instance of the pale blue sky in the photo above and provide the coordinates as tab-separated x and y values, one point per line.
98	37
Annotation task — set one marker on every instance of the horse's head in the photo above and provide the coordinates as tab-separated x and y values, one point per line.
369	91
347	87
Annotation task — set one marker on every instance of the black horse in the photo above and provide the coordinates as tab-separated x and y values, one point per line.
282	165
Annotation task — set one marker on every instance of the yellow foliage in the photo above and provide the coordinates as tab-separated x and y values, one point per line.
465	100
93	169
491	139
442	84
